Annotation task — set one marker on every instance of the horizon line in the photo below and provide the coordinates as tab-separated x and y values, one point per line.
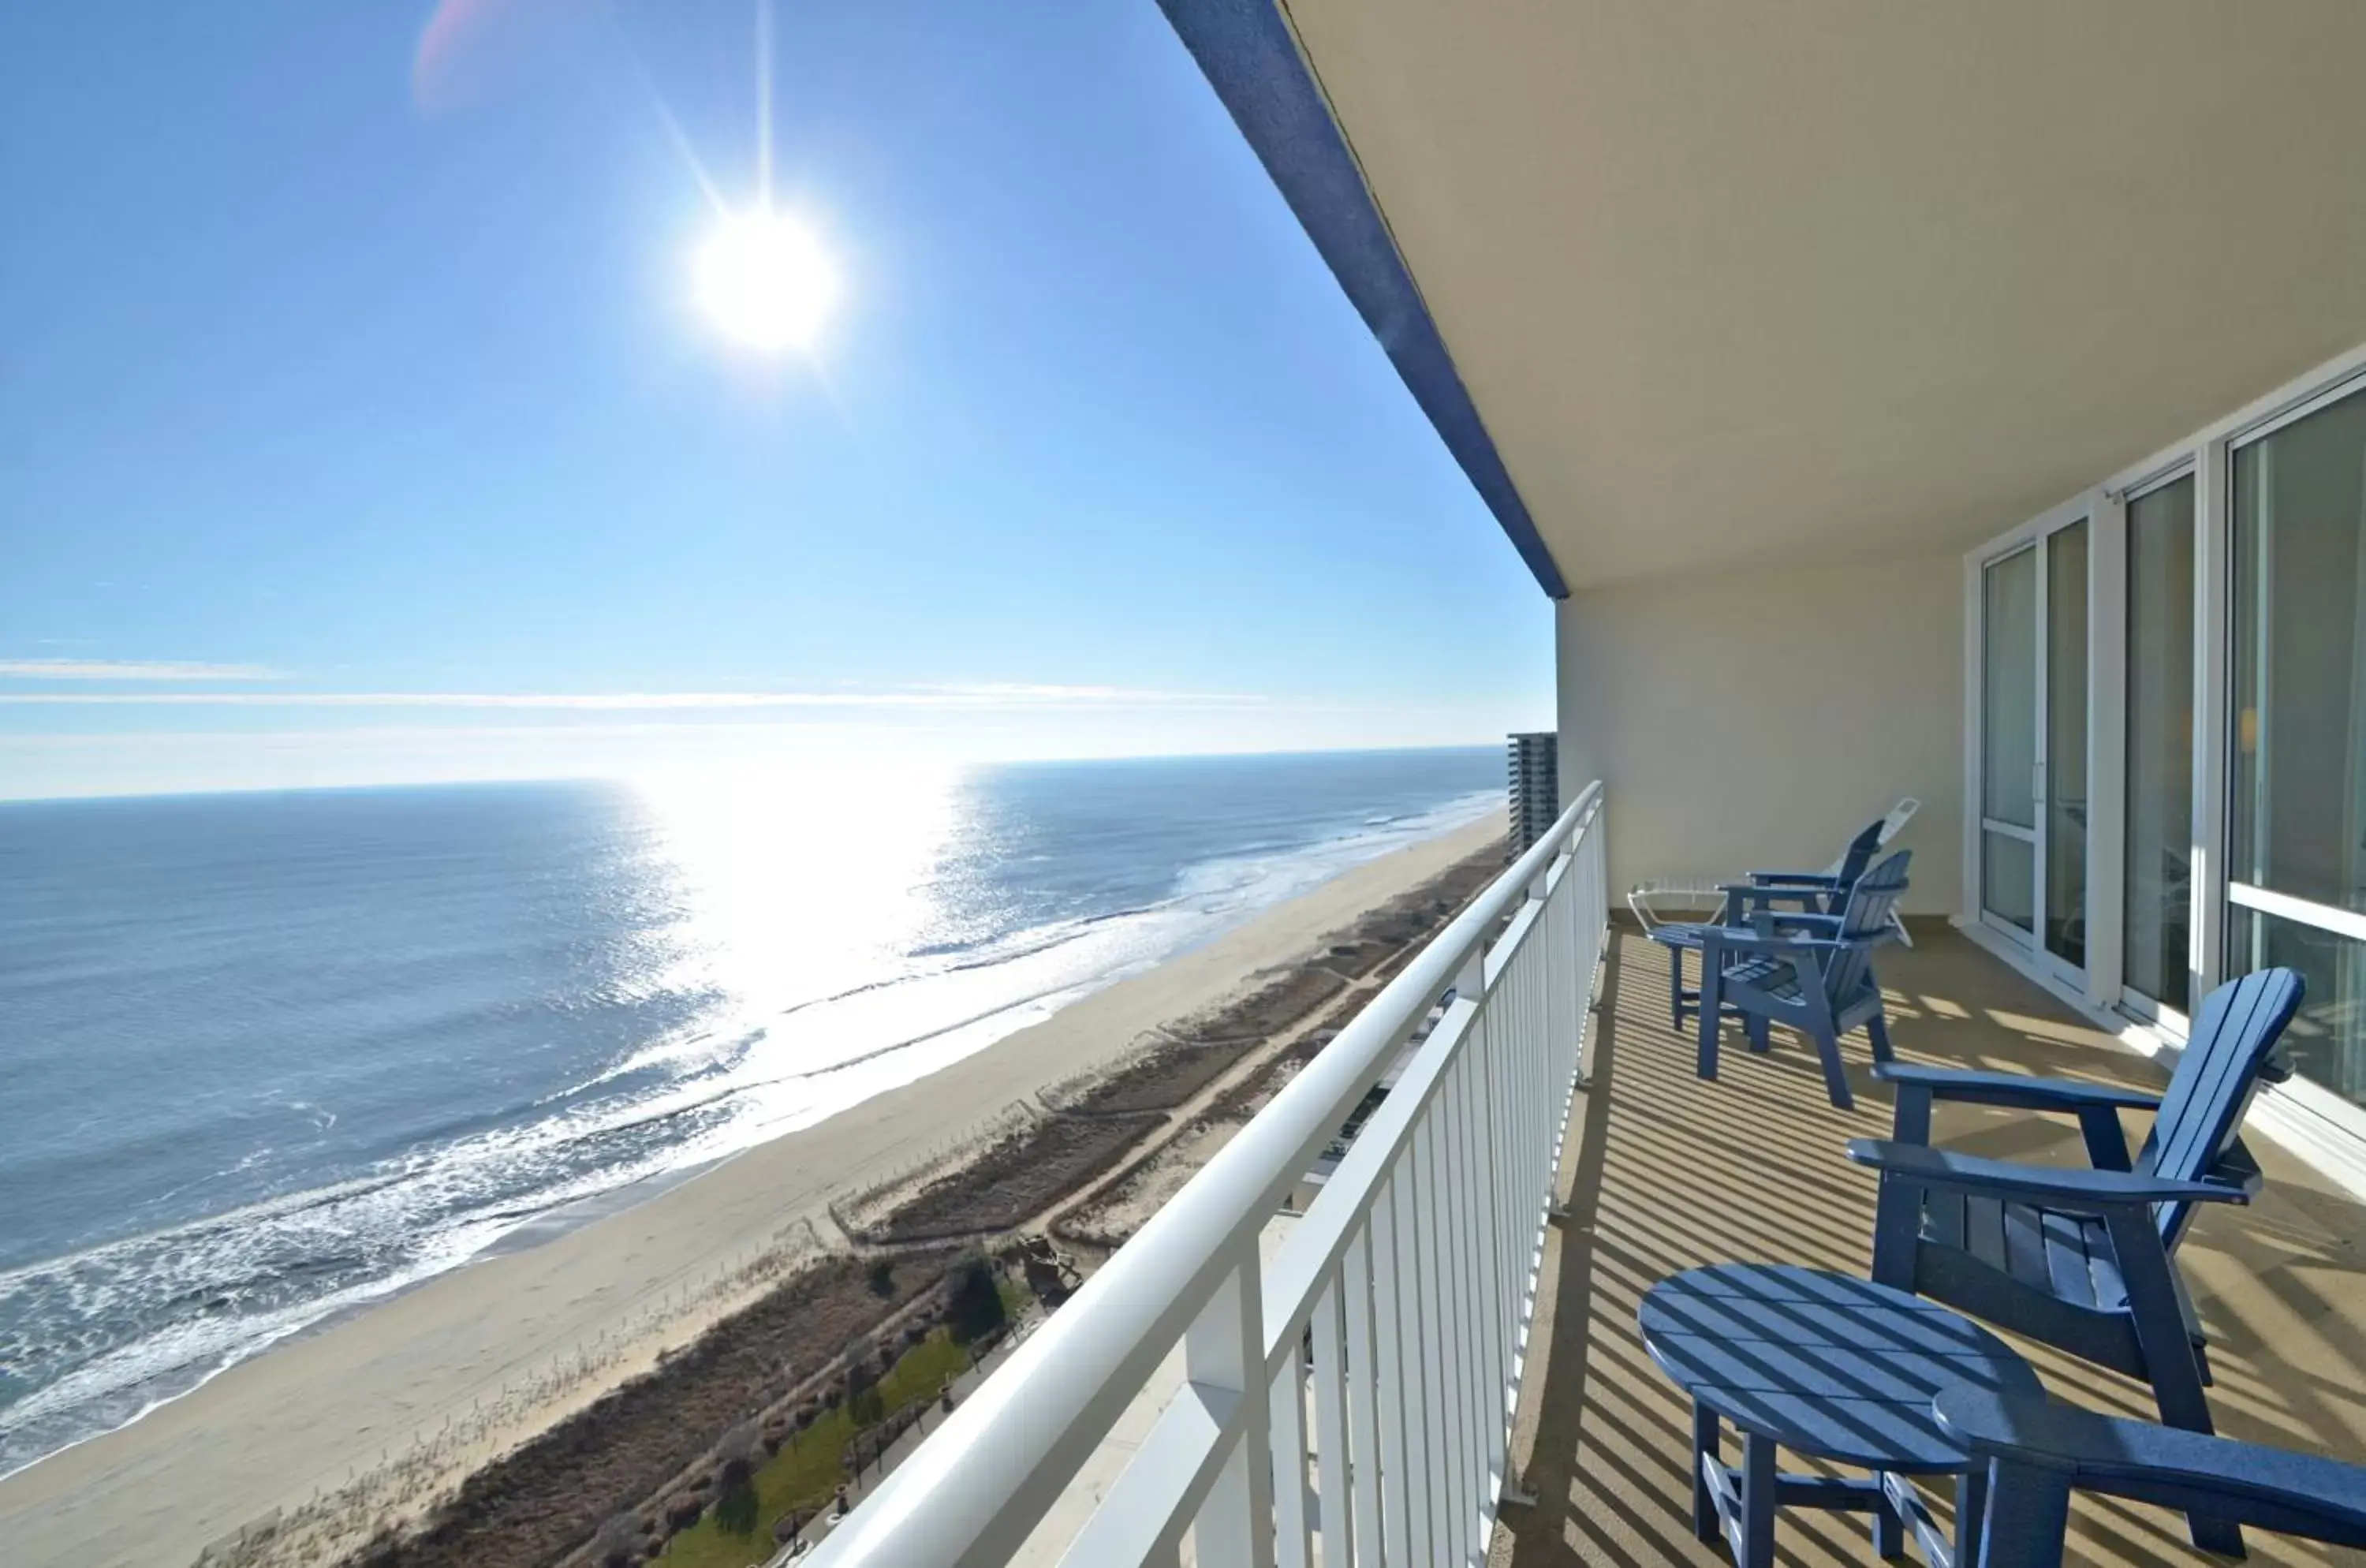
1014	695
495	780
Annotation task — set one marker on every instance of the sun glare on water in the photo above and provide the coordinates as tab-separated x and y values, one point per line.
764	282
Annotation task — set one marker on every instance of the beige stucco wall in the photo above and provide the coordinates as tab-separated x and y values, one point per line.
1758	719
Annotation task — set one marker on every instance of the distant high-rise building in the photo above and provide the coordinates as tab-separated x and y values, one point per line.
1536	787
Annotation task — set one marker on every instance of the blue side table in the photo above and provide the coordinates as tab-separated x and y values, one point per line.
1830	1366
1680	937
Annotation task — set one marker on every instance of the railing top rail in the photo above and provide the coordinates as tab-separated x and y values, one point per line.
973	1490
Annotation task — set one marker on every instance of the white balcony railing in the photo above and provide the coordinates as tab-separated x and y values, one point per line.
1415	1272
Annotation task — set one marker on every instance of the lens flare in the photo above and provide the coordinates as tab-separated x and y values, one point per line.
764	281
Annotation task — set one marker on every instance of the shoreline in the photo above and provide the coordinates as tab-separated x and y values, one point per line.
529	1228
453	1372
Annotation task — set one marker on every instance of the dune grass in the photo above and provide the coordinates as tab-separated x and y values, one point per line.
812	1465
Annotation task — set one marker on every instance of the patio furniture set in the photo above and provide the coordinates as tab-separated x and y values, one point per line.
1890	1374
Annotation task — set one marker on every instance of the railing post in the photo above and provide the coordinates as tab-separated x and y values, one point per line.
1432	1345
1487	1236
1446	1114
1292	1545
1224	1349
1334	1481
1467	1260
1577	981
1397	1390
1365	1375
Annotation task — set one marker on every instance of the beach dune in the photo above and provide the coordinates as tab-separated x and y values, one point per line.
476	1359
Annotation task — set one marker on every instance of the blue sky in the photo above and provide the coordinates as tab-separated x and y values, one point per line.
358	422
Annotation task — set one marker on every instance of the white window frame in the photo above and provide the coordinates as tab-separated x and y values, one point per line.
2031	535
1976	775
2118	993
2319	1124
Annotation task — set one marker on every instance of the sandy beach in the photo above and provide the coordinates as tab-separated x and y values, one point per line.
414	1391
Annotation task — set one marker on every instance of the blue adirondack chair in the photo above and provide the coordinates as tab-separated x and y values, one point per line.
2038	1452
1810	971
1813	892
1819	891
2084	1259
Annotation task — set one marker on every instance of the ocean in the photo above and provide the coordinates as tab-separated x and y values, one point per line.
264	1058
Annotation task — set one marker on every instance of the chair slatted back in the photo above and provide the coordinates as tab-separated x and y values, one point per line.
2226	1055
1854	859
1865	919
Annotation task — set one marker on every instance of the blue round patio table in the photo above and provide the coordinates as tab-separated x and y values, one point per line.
1830	1366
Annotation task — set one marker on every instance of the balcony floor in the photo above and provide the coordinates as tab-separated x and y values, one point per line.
1667	1172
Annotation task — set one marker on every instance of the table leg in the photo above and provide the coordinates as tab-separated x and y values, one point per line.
1889	1526
1757	1482
1705	1451
1971	1515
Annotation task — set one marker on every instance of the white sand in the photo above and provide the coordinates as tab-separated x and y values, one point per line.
442	1372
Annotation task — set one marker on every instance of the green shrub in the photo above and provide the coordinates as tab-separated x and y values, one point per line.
973	1306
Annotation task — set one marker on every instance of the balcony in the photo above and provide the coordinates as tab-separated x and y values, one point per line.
1666	1172
1427	1312
1749	353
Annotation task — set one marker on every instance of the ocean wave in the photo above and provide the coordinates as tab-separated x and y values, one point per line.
96	1335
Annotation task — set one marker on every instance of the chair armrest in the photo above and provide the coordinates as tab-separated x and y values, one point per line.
2057	1187
1750	894
1741	939
2020	1090
2275	1488
1824	879
1764	919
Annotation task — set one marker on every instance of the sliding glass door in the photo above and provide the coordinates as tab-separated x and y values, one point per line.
2195	630
2296	846
2034	673
2156	887
2009	742
2063	767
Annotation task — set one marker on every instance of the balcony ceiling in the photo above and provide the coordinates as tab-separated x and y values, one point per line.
1736	282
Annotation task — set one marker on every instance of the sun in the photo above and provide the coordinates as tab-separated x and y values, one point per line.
764	281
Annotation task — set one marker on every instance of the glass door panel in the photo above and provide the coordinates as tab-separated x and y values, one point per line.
2063	770
2008	881
2299	659
2008	705
2159	831
2298	747
2326	1043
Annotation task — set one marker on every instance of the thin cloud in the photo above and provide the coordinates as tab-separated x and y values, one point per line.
132	670
994	695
